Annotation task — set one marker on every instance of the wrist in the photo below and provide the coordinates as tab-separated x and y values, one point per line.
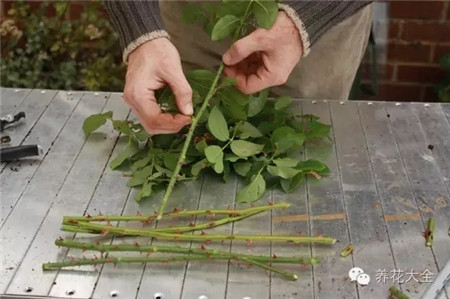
143	39
299	25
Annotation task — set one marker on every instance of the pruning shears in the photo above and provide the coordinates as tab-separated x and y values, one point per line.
15	152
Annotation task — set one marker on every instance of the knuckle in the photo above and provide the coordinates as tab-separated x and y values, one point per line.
281	78
236	50
183	92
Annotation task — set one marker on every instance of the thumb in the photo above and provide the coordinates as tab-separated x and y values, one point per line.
242	49
182	91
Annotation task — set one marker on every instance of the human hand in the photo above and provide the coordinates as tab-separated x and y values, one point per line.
264	58
150	67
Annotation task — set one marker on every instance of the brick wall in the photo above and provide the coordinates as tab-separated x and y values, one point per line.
418	33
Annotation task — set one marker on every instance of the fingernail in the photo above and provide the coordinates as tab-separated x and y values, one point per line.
188	110
225	58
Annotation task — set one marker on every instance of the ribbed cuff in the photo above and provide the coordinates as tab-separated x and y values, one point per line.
137	22
314	18
304	36
142	40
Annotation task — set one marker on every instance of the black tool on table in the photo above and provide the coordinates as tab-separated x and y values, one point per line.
17	152
10	119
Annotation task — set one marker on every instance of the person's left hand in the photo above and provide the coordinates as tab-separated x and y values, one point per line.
264	58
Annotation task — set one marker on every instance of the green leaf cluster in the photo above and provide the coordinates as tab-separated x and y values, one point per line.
251	136
231	17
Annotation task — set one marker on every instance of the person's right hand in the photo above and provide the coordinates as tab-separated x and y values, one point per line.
152	66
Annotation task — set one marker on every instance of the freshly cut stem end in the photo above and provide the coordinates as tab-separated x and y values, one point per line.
430	232
347	250
397	294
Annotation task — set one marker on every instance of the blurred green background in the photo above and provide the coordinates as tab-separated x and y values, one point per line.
44	45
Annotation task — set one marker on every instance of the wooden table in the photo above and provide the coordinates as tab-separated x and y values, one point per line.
390	167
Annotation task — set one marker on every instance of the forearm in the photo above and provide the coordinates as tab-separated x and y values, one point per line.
314	18
136	21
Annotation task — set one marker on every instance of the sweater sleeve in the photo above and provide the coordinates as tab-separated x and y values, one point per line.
136	21
314	18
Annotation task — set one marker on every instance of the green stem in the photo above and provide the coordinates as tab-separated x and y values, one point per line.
148	218
288	275
181	250
430	232
188	258
187	142
180	229
204	226
205	237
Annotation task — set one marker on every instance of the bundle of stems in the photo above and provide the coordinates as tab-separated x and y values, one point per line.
85	224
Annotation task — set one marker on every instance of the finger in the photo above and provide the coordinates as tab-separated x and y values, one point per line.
181	89
242	49
231	71
154	121
255	82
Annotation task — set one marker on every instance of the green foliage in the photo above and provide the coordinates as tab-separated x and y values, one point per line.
232	17
95	121
238	146
252	136
443	88
42	51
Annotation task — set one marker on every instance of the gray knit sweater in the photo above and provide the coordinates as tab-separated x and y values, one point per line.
140	21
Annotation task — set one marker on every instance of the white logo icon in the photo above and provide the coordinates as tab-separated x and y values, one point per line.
363	279
359	275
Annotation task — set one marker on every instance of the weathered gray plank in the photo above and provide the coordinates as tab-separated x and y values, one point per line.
124	279
325	199
437	132
73	195
11	99
245	281
446	109
19	230
423	172
109	199
168	279
367	228
18	174
402	215
203	278
279	286
34	106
